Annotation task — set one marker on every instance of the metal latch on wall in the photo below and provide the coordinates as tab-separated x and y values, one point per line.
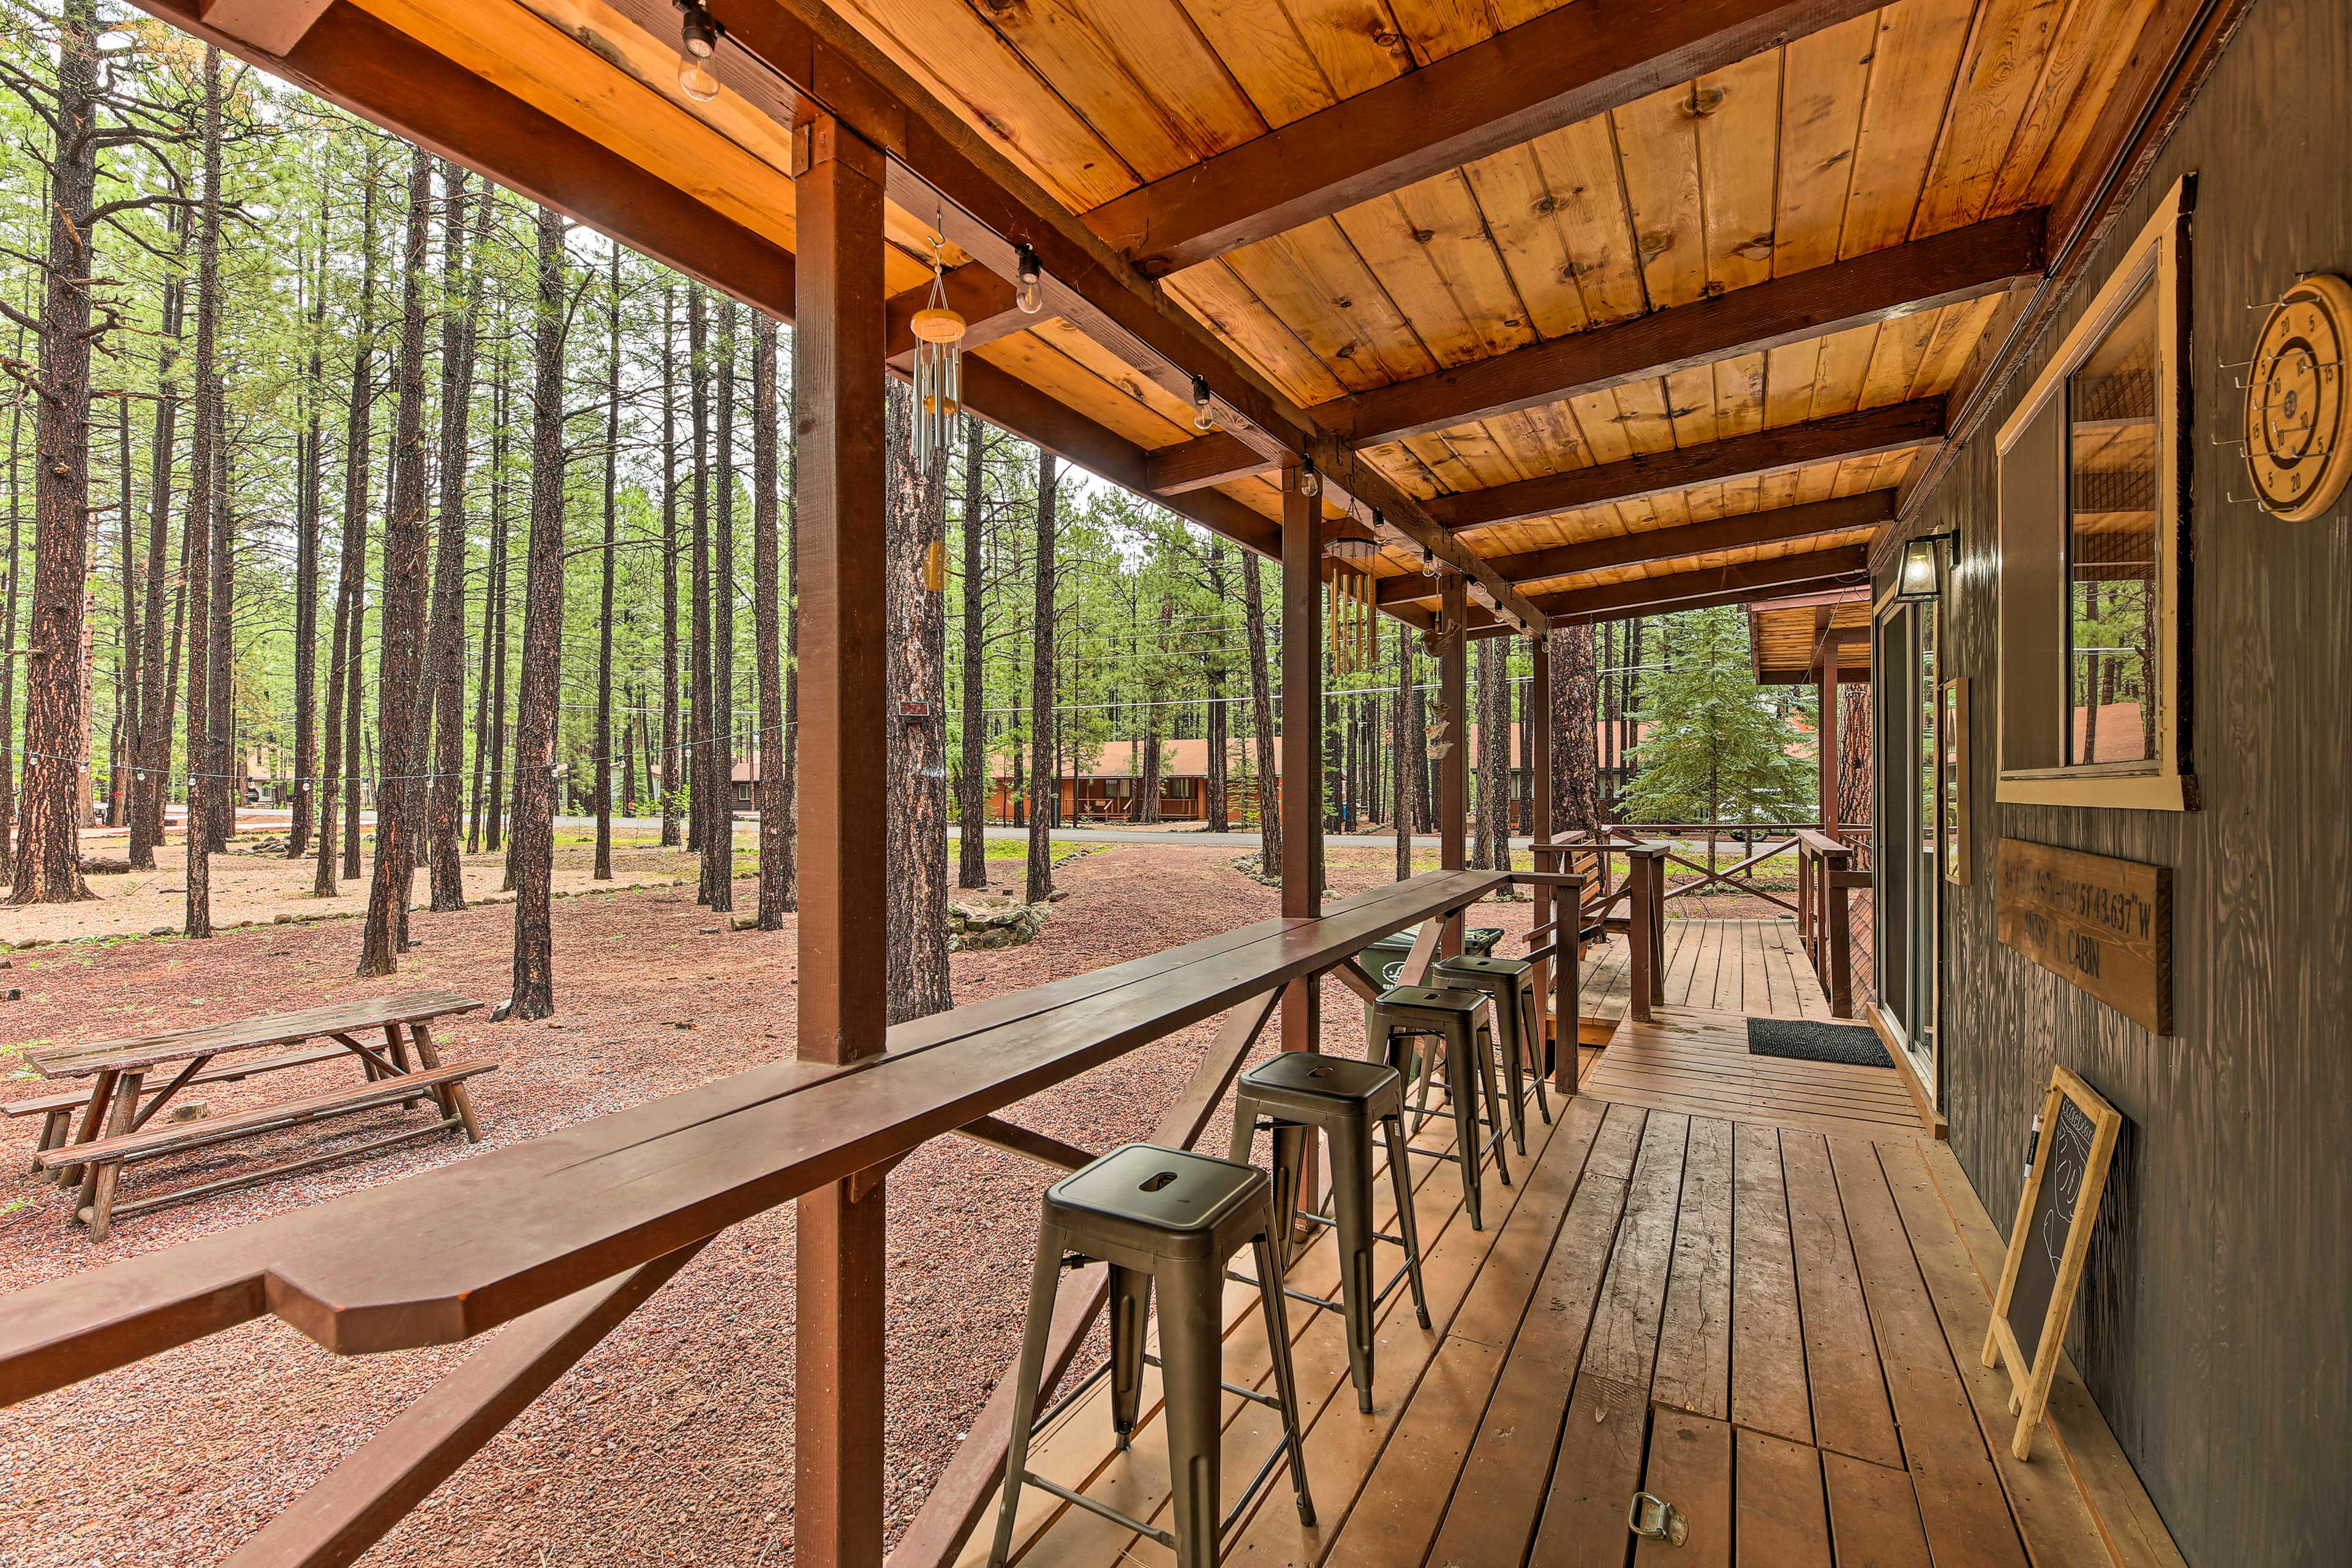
1652	1518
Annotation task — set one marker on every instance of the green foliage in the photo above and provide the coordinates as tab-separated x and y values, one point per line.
1714	746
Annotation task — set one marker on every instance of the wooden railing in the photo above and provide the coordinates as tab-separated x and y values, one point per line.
563	1237
1826	876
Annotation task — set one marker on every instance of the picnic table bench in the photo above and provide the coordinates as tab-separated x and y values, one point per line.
114	1125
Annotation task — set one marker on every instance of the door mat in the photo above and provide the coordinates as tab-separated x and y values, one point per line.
1806	1040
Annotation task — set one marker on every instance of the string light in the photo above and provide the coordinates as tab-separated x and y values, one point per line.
698	35
1310	483
1029	298
1200	419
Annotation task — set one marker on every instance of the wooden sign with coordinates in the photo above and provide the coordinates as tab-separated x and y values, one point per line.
2104	925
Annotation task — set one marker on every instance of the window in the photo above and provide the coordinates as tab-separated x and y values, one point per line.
2093	579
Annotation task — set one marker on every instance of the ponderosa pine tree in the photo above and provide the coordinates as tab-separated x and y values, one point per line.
342	643
971	836
446	661
1575	738
1043	782
602	872
533	856
401	657
776	844
1269	818
915	766
196	546
1714	749
719	843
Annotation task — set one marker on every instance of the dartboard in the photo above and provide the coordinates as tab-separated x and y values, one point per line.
2298	419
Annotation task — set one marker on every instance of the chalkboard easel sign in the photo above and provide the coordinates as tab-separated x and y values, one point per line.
2048	1245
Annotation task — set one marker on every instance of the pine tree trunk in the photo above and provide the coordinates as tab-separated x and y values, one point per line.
698	730
673	778
48	858
8	634
1218	808
788	746
1041	771
1575	754
196	552
306	573
775	742
503	584
533	857
490	672
603	762
225	765
125	743
400	659
1408	745
971	804
342	644
1269	811
446	669
719	843
354	684
916	621
1494	745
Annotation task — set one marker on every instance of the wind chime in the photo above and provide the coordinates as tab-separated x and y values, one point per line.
939	368
1355	644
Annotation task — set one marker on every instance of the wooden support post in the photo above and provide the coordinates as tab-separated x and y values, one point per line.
1828	738
1540	786
1452	745
839	361
1568	988
1302	763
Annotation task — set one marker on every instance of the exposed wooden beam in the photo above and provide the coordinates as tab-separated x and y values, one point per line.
1840	514
987	206
276	26
1213	459
1715	585
1846	673
1867	433
1836	638
1968	263
1562	67
1855	596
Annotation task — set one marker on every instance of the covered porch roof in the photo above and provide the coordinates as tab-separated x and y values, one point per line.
1682	310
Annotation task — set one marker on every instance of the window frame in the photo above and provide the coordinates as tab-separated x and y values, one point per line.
2165	782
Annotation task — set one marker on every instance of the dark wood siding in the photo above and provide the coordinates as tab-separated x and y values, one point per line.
2216	1323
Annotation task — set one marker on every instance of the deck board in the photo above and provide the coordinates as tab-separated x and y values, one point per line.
1719	965
1771	1322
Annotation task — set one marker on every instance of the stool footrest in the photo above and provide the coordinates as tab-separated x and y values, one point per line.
1250	1394
1165	1537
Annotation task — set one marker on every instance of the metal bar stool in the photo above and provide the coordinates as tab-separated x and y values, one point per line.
1452	1017
1172	1219
1510	984
1297	1092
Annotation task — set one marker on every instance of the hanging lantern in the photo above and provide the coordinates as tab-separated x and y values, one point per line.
938	371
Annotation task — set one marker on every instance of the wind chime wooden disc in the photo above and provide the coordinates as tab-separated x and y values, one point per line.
2298	419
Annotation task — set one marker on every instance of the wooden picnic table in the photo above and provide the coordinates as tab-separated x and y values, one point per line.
119	1069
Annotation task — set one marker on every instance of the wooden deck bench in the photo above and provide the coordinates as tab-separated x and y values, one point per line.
59	1109
107	1156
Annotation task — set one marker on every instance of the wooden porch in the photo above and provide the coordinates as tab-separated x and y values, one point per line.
1773	1330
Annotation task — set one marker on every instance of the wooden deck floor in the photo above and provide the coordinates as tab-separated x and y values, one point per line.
1699	1062
1754	967
1774	1329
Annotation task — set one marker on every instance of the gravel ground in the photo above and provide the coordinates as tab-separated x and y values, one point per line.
671	1443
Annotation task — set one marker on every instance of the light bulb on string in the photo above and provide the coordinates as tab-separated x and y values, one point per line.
1310	482
1029	295
698	36
1201	420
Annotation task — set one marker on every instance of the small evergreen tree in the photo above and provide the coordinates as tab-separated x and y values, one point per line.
1713	749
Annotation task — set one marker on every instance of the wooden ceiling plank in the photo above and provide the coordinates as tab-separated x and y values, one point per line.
1999	77
1823	79
1566	66
1915	61
987	204
1902	281
1825	441
1747	530
274	26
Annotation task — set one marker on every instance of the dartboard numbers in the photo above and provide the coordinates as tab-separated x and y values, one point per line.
2298	421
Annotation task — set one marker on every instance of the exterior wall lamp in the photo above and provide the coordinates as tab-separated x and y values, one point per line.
1919	580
